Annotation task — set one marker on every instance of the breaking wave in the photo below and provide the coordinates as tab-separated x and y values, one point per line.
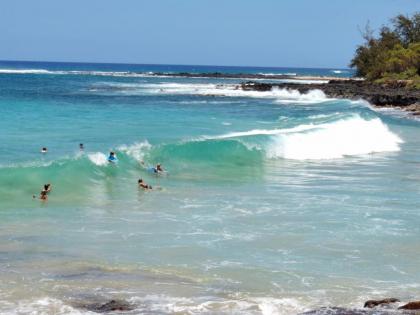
348	137
77	72
232	153
24	71
202	89
345	137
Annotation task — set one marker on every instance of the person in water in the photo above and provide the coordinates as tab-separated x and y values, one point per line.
112	157
158	169
43	195
143	185
44	150
47	188
81	147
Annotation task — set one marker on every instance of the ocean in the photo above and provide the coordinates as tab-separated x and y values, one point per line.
272	202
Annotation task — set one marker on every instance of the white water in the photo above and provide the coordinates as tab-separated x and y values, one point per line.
350	137
280	95
98	158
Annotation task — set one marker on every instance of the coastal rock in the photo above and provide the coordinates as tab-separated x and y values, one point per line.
373	303
411	306
110	306
381	95
347	311
395	94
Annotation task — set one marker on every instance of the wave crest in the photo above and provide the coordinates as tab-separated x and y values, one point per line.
348	137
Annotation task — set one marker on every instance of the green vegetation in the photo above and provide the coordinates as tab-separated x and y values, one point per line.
394	55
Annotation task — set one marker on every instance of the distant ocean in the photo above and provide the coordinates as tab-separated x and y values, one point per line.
272	202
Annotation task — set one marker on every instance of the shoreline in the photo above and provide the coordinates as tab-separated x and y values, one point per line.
381	96
394	96
248	76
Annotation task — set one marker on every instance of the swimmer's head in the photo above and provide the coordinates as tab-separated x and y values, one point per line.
140	181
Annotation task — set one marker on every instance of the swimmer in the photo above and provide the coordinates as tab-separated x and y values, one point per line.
112	158
43	195
81	147
44	150
143	185
158	169
47	188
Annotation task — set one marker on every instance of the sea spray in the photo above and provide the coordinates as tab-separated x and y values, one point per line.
350	137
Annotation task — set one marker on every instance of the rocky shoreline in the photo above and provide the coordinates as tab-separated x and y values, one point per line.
386	306
395	95
247	76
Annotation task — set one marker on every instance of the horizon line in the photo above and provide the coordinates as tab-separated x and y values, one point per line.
168	64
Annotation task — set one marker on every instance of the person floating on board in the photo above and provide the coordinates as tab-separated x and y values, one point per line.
158	169
44	150
143	185
112	158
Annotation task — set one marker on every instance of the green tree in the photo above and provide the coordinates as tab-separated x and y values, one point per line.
407	29
393	55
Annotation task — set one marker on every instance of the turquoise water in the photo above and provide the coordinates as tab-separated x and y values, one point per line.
273	203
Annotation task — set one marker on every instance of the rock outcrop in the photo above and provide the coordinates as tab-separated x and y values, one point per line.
411	306
382	95
110	306
373	303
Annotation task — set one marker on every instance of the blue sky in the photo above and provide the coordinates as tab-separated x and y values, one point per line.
302	33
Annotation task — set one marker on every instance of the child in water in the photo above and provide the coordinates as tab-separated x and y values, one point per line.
143	185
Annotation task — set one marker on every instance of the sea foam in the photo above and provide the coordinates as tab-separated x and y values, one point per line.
25	71
347	137
98	158
225	90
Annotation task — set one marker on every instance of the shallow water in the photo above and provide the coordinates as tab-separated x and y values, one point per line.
273	203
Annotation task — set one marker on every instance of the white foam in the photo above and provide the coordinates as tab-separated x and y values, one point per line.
76	72
98	158
339	71
24	71
136	150
207	305
347	137
270	74
40	307
281	95
259	132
